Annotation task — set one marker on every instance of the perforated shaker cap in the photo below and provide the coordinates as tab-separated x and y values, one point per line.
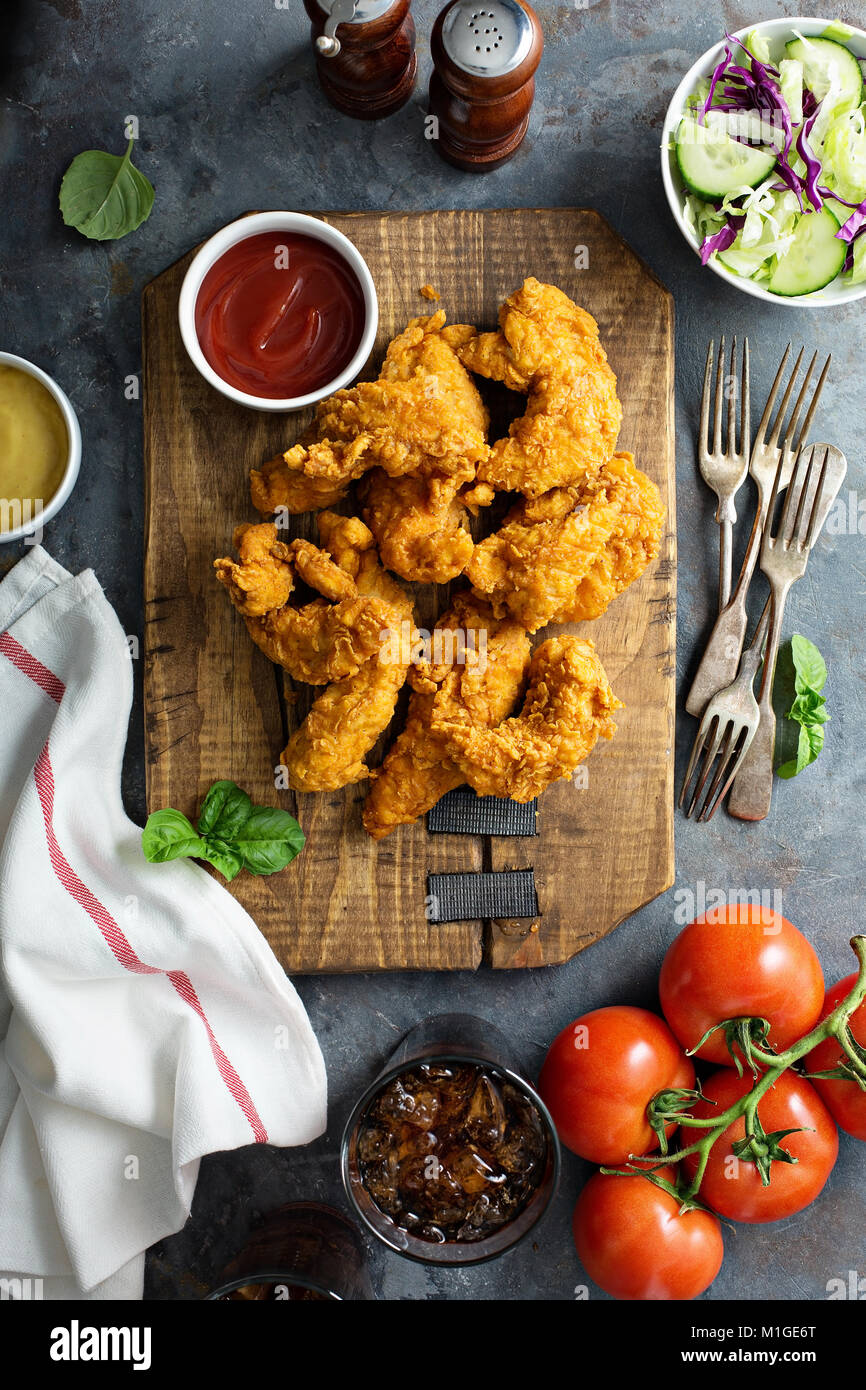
489	39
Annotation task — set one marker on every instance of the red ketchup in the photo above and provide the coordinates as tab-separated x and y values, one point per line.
279	315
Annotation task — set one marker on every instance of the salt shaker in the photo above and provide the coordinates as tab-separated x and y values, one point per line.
365	54
485	56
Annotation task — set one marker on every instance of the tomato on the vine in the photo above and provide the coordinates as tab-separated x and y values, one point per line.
844	1099
740	961
601	1073
731	1185
634	1243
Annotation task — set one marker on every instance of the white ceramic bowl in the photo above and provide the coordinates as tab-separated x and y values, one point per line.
303	225
73	458
775	30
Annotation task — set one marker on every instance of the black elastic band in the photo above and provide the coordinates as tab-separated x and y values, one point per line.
462	812
468	897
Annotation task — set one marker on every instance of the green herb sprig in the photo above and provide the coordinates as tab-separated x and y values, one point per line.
104	196
809	707
232	834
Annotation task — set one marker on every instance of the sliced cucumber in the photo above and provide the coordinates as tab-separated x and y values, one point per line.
813	259
818	56
711	164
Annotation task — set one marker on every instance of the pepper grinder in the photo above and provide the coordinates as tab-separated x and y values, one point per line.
481	92
365	54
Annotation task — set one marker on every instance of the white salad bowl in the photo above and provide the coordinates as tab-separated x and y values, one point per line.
303	225
30	528
775	30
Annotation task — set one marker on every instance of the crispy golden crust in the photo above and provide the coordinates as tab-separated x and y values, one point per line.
417	770
424	411
568	706
549	348
420	524
565	556
345	721
263	576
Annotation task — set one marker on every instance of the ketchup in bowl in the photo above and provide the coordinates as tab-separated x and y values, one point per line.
279	315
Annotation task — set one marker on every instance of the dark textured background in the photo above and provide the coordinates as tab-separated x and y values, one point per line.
232	118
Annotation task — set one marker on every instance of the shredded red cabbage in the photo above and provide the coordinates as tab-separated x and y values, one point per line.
813	165
856	223
721	240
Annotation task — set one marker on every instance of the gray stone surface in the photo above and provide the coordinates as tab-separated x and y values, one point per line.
232	118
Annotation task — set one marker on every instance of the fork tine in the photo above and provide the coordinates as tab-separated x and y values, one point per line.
723	759
807	423
771	508
733	390
699	743
705	398
745	405
788	441
712	749
771	399
739	751
782	533
780	417
813	519
804	494
720	392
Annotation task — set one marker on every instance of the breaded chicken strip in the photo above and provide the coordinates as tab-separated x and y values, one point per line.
633	544
549	348
417	770
263	577
568	706
420	523
424	411
320	641
329	748
565	556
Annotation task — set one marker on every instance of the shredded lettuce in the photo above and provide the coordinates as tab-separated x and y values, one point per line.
845	155
857	274
791	87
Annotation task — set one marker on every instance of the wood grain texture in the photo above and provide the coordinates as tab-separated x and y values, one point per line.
215	707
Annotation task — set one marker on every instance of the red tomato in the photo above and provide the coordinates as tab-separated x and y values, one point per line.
737	961
600	1075
732	1186
844	1099
633	1242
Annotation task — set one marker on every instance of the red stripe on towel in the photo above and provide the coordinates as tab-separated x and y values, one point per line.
43	775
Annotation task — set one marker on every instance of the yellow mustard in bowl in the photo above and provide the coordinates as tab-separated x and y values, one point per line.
34	446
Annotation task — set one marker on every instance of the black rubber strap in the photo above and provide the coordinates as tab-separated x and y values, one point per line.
462	812
467	897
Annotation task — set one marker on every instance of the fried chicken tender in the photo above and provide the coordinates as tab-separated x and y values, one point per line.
328	750
263	579
420	524
568	706
548	348
485	687
424	411
565	556
320	641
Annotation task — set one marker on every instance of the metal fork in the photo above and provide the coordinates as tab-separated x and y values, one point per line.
724	470
727	729
819	474
721	658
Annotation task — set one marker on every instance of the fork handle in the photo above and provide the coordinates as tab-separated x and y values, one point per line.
721	660
752	793
726	538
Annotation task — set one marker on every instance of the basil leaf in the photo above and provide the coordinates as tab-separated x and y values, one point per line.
223	857
104	196
809	665
269	840
224	811
169	835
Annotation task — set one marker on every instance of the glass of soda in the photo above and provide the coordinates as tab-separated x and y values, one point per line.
450	1157
301	1253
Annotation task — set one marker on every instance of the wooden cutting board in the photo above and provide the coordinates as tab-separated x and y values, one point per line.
214	705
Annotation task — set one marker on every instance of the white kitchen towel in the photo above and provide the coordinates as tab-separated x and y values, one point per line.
144	1020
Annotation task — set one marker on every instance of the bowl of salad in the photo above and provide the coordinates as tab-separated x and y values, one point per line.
764	161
